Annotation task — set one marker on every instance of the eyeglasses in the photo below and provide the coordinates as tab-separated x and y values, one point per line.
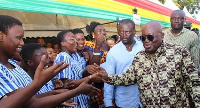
71	39
149	37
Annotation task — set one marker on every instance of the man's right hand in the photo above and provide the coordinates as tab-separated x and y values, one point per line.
42	75
102	73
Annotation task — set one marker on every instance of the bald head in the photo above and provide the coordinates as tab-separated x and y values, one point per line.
180	12
152	27
152	36
177	20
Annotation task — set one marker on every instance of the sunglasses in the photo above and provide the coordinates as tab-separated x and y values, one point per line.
149	37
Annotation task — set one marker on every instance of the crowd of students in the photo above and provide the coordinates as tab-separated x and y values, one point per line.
160	69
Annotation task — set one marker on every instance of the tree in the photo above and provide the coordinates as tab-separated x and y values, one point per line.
191	5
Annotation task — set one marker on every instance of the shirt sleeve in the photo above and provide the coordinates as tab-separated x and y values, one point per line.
109	66
127	78
190	74
195	50
6	85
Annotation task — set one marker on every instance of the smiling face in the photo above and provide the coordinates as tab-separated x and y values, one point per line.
152	28
177	19
126	33
80	39
12	42
51	54
69	43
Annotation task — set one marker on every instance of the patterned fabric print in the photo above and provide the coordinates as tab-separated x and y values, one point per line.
90	46
186	38
96	101
164	80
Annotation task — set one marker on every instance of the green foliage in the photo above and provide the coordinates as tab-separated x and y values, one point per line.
191	5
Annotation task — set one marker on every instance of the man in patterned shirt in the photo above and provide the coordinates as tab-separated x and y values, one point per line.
164	72
177	34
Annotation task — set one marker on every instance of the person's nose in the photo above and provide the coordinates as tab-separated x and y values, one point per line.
21	42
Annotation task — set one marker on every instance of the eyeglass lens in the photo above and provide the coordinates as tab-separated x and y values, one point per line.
149	37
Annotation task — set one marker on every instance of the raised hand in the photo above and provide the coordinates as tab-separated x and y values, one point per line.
42	75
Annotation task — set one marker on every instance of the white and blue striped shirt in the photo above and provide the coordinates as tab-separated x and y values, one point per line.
46	88
80	59
12	79
74	71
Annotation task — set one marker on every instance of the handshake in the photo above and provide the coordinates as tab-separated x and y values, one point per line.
97	74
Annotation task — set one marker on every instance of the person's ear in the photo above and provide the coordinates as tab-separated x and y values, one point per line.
162	35
134	31
30	63
93	35
1	36
63	44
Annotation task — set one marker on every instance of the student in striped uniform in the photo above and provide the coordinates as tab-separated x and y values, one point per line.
12	77
81	56
31	54
67	42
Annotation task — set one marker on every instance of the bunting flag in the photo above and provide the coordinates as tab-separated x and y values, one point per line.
98	9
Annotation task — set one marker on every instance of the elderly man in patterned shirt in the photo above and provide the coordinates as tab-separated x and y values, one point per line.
177	34
164	72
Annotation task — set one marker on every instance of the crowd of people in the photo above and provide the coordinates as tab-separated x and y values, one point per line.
158	69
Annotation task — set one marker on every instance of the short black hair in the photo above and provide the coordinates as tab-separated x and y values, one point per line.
6	22
76	31
116	37
60	36
126	21
28	50
90	28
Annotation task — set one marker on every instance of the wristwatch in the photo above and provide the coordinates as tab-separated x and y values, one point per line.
96	53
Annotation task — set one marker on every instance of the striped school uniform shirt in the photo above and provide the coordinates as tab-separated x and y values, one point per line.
46	88
80	59
74	71
12	79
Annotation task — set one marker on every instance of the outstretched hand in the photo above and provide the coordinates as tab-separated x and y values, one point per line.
91	69
87	88
101	73
42	75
